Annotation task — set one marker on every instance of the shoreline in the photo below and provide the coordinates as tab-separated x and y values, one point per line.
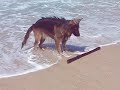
38	68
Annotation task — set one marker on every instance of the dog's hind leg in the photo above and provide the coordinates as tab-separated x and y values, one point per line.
42	39
37	37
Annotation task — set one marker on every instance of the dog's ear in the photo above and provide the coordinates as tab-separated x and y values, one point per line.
78	20
75	21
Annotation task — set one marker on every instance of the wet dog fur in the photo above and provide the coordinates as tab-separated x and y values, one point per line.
58	29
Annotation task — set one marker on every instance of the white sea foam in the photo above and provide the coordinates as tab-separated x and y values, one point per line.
38	67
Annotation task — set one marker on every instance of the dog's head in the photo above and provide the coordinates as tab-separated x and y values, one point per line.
74	26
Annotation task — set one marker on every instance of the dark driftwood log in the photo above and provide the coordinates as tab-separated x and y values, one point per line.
82	55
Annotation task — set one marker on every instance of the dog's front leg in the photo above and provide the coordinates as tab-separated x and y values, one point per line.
64	43
58	45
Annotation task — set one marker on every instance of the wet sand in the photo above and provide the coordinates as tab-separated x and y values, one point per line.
97	71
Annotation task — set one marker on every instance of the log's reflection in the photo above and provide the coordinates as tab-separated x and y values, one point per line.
82	55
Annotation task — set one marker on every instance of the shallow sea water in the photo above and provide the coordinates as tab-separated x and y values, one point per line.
100	26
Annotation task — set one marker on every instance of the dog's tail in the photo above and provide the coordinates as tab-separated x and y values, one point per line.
26	36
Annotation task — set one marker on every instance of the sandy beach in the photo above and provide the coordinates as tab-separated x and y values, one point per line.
97	71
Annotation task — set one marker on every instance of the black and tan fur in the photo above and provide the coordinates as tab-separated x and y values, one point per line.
58	29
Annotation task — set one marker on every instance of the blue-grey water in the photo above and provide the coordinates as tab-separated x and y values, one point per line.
100	26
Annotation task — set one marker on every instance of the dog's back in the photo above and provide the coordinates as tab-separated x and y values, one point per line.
48	24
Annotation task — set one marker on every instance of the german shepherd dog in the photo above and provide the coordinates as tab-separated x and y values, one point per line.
58	29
